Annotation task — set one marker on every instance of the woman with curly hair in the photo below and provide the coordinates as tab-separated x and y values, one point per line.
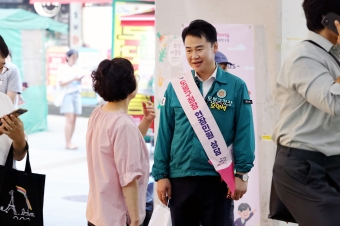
117	156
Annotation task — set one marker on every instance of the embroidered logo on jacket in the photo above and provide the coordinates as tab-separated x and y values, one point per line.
219	103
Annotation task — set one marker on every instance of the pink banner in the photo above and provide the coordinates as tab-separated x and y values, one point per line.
237	43
205	127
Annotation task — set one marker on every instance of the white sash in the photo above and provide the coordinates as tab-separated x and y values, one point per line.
205	127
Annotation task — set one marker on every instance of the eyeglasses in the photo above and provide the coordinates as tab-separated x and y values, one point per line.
4	69
137	77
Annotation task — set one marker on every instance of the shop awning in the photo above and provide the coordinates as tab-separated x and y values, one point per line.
24	20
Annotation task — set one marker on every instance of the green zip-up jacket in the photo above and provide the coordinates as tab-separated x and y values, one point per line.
178	151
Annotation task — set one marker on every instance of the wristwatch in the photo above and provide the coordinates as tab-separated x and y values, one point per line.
243	177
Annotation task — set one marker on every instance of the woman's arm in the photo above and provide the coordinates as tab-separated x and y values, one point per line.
130	193
65	83
149	116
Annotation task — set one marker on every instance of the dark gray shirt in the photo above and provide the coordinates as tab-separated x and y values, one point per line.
309	98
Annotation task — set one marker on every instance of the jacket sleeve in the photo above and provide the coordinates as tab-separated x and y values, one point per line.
244	141
160	167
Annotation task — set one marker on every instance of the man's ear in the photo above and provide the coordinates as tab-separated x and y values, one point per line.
239	213
215	47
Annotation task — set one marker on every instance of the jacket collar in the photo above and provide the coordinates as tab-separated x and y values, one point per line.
220	75
323	42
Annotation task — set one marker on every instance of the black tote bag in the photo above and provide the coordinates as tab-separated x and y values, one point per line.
21	195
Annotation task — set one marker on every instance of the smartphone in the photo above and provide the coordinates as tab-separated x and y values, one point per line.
328	21
16	113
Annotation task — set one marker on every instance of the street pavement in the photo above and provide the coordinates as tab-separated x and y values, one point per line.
67	184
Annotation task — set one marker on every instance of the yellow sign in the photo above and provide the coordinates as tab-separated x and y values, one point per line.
266	138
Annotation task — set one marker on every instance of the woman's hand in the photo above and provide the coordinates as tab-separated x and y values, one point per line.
13	127
149	116
149	111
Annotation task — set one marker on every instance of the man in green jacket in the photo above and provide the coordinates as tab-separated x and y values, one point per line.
194	189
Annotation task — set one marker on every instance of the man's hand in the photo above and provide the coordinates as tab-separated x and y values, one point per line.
337	24
164	190
149	111
337	80
240	189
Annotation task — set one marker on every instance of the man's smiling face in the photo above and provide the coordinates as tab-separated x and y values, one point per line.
200	53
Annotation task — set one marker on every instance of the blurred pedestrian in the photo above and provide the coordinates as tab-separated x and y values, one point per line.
117	156
306	172
69	79
222	61
10	78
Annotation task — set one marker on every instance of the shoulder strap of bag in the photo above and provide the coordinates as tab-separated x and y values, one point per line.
9	160
332	55
205	127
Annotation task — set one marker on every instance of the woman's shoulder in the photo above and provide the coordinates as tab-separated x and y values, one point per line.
120	119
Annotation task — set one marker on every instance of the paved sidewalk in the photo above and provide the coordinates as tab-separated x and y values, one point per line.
66	172
67	185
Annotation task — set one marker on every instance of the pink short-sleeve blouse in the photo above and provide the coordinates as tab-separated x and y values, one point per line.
116	154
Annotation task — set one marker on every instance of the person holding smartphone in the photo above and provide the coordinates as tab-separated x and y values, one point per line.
12	128
306	172
69	79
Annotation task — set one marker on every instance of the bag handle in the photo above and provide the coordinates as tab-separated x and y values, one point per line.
332	55
9	160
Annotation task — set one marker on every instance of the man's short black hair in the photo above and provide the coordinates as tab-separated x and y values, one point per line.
114	79
315	10
243	207
201	28
3	48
